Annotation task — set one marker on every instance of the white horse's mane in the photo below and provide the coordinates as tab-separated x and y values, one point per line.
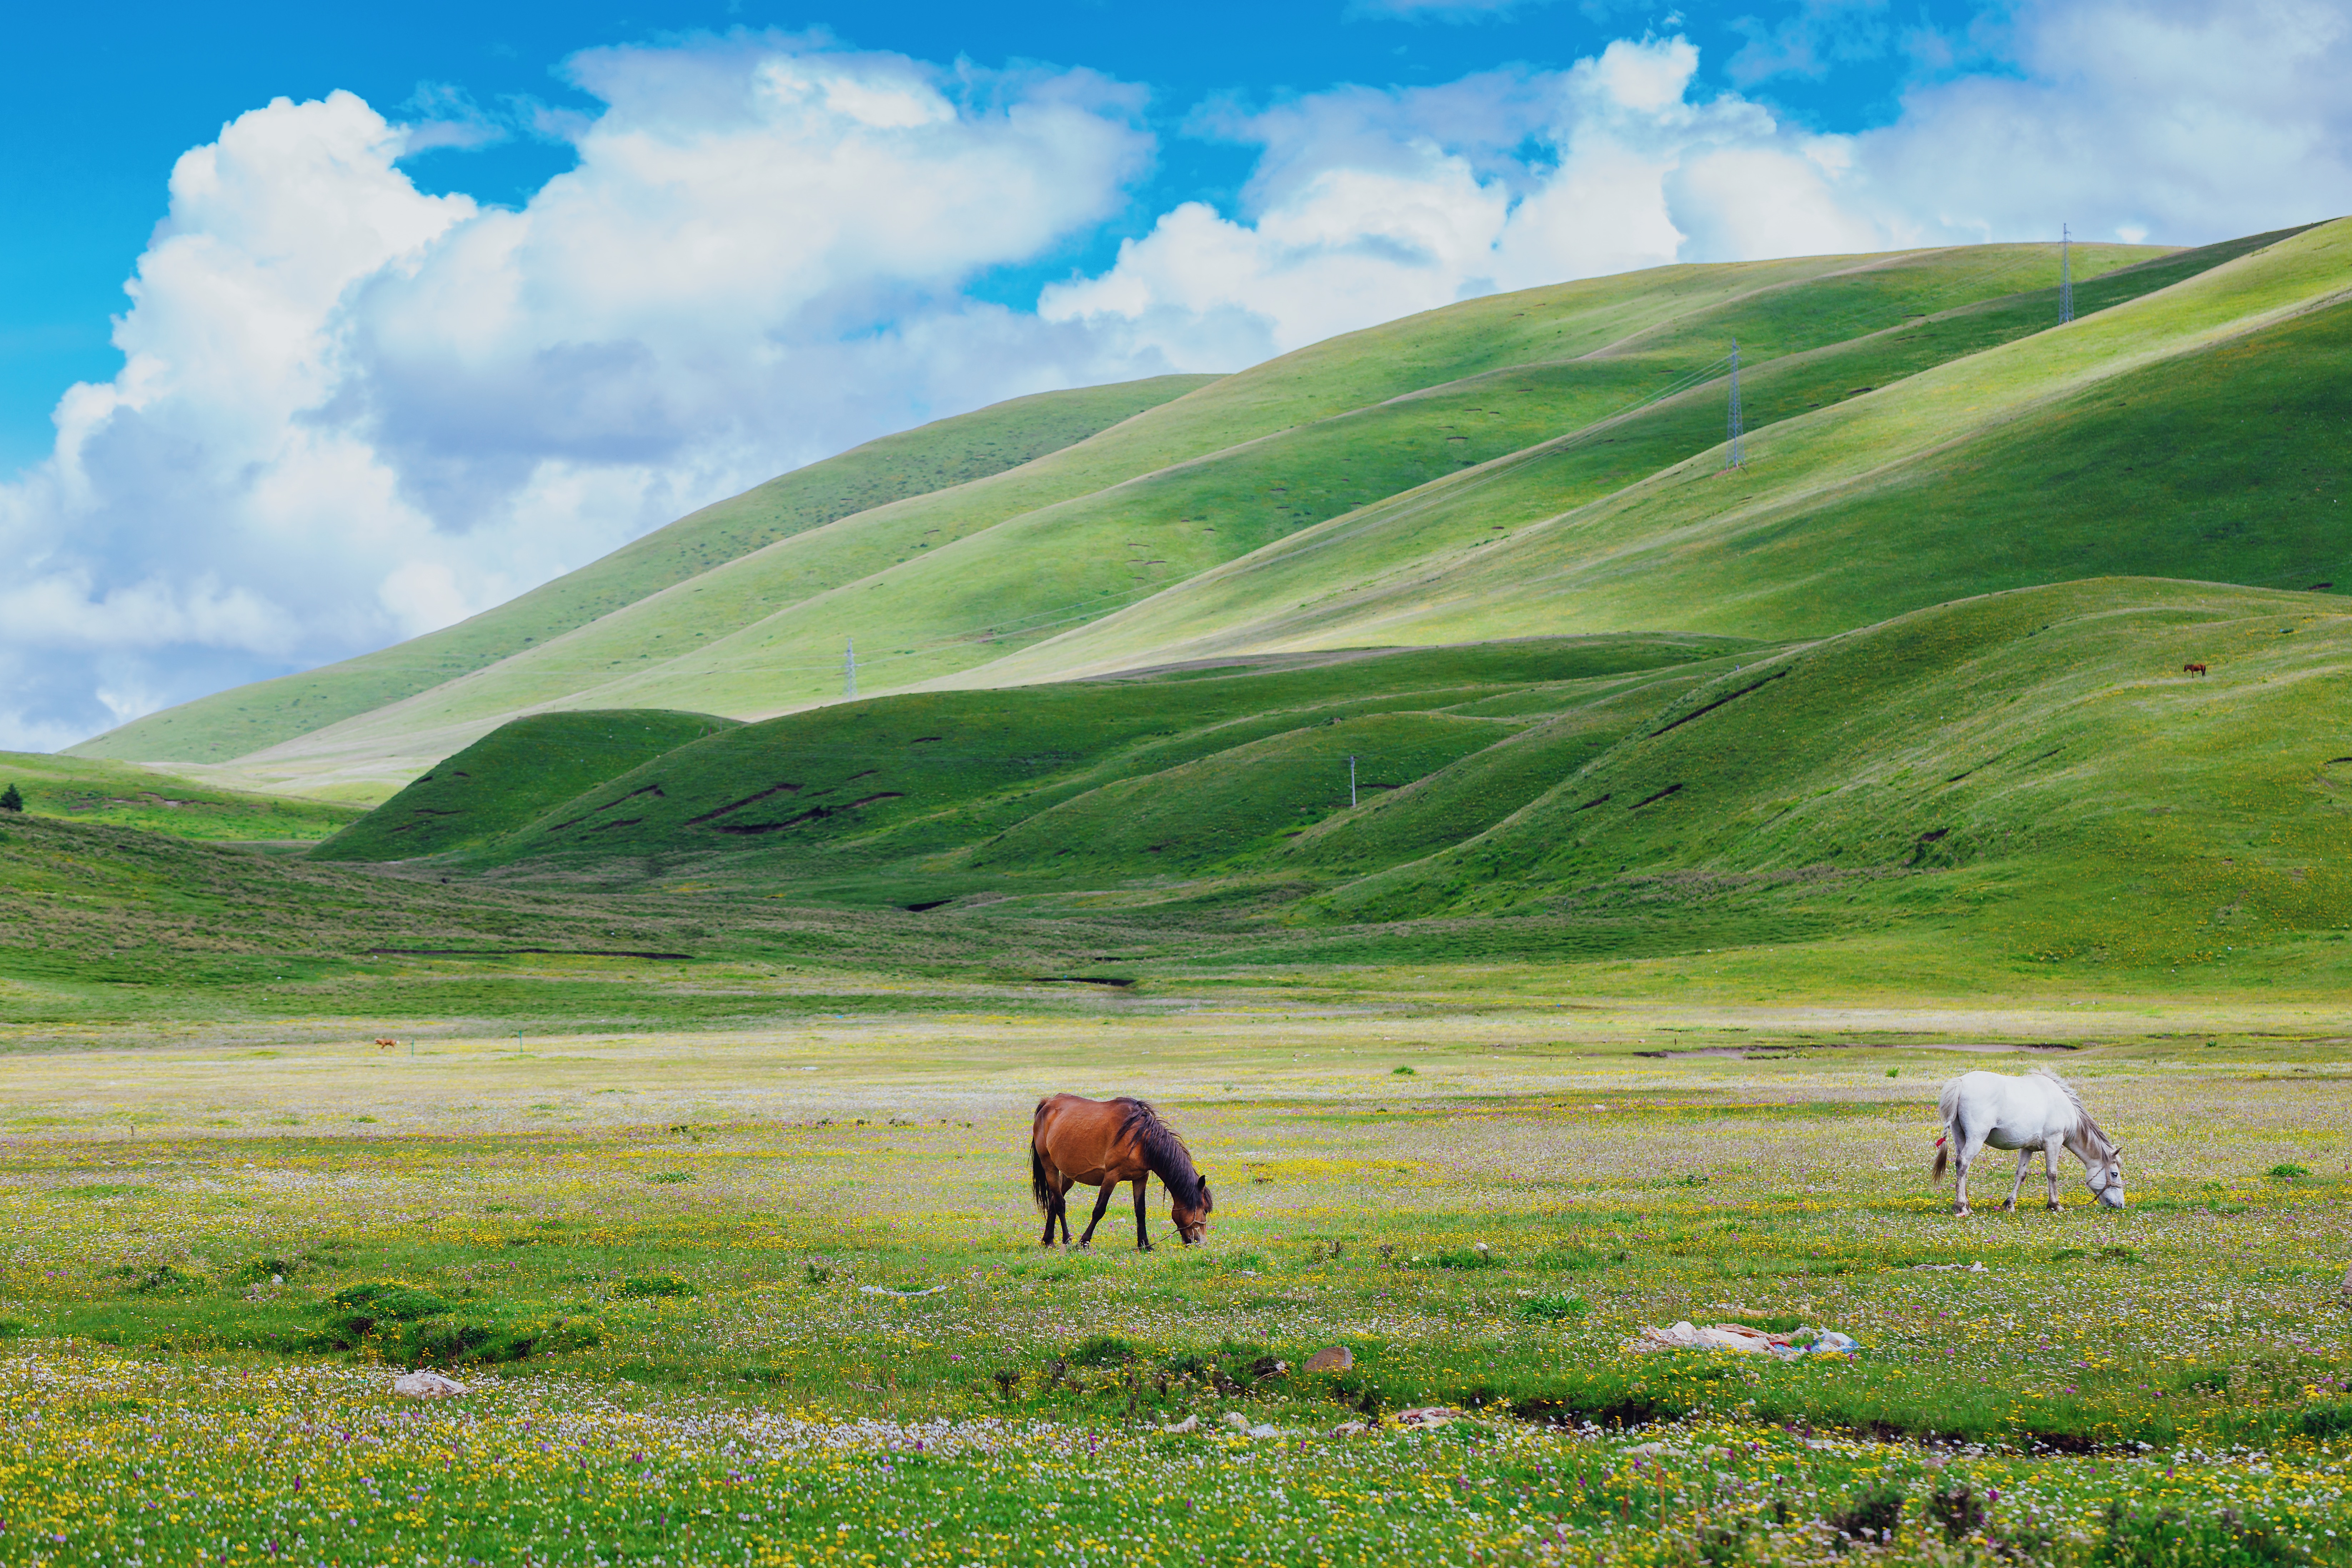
2075	1099
2067	1088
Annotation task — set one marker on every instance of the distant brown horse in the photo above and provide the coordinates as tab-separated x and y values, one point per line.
387	1045
2192	669
1103	1143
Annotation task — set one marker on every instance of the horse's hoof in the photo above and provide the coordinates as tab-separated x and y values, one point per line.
2053	1207
2010	1207
1961	1210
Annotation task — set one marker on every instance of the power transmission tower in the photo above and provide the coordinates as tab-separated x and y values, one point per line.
1736	426
849	671
1351	783
2066	277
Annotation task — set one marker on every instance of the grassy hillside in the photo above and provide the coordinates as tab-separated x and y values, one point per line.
944	582
1207	810
981	585
510	777
123	795
1959	453
946	453
2020	791
911	787
2031	771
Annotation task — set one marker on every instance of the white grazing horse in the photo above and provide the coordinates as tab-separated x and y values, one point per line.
2041	1112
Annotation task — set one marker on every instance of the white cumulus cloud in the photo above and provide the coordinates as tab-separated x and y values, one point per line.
2181	120
351	411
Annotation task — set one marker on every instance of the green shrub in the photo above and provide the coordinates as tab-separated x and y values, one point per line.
363	1310
11	799
1554	1309
667	1177
1401	1072
2288	1172
453	1343
414	1326
656	1285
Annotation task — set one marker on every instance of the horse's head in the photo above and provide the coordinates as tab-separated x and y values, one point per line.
2105	1172
1192	1219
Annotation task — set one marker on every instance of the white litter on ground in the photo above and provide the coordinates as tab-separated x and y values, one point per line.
901	1295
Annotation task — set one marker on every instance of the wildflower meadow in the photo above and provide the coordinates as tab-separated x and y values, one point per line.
778	1297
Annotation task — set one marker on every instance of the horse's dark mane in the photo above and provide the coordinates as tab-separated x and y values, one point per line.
1166	1154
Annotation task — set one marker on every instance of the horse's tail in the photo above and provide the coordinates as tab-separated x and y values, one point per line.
1038	1187
1947	1106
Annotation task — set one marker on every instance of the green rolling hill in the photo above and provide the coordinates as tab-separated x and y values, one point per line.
2033	769
509	777
2177	432
922	789
939	456
940	582
1528	465
2021	778
154	800
941	586
1906	683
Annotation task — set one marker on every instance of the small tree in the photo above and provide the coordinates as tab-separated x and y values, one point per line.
11	800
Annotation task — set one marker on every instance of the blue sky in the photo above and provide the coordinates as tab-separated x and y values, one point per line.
90	135
433	302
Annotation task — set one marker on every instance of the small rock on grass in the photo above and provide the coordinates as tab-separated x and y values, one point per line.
1190	1424
426	1385
1335	1358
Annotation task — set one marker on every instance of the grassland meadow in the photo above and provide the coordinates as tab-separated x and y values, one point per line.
775	1297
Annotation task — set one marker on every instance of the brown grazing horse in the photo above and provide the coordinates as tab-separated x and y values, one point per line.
1103	1143
2192	669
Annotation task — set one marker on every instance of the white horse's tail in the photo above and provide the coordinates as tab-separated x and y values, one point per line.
1947	1106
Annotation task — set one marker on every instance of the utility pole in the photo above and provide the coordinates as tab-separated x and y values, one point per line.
1351	783
2065	276
1735	429
849	670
